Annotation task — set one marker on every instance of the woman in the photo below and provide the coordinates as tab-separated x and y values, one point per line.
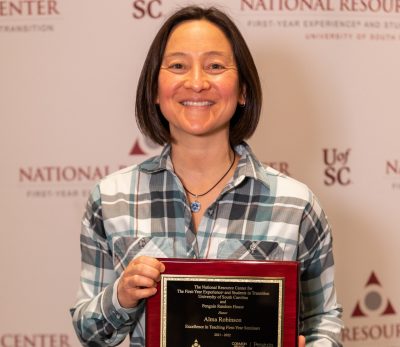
205	196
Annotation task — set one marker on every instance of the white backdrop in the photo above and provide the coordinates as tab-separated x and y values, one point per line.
68	73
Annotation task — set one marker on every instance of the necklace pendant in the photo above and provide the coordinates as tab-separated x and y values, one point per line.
195	206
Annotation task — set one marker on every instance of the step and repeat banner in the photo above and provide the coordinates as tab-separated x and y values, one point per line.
330	72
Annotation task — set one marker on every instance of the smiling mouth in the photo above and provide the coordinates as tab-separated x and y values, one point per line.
197	103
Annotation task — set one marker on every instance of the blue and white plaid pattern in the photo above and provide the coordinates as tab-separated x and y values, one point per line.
260	214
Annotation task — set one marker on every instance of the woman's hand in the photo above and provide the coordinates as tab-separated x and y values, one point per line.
139	281
302	341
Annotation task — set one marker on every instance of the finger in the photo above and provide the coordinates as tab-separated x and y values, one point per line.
302	341
144	270
149	268
138	281
150	261
137	294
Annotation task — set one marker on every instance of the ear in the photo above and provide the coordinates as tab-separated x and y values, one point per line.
242	96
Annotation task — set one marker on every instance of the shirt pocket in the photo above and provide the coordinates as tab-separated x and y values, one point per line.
250	250
126	248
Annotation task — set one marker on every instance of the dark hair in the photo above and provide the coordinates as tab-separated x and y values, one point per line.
149	118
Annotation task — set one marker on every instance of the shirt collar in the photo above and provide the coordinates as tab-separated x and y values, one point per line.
248	166
158	163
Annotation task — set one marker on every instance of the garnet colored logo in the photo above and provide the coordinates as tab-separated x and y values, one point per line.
393	172
337	169
350	6
136	149
374	301
393	168
144	146
21	8
281	166
38	339
146	8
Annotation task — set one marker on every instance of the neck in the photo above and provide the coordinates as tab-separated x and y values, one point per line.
204	168
202	155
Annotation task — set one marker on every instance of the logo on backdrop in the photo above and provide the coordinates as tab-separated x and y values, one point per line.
147	9
31	8
374	317
24	15
144	146
321	5
374	302
337	170
392	171
38	340
281	166
73	181
352	20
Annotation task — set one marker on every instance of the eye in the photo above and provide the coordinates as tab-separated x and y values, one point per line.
215	68
177	67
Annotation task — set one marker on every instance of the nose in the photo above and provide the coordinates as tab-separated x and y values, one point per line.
197	79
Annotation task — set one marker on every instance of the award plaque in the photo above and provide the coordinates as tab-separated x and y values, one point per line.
221	303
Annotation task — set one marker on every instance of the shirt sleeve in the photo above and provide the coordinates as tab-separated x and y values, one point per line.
97	317
320	314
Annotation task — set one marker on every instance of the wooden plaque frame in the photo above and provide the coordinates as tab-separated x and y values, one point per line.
164	321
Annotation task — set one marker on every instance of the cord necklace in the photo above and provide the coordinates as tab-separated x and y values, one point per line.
195	206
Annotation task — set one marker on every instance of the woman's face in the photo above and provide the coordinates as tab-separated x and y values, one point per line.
198	83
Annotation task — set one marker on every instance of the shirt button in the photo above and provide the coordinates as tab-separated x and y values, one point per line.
253	247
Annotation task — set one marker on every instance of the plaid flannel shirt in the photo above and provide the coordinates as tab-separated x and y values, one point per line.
260	214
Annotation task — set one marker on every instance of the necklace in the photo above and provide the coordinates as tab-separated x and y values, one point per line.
195	206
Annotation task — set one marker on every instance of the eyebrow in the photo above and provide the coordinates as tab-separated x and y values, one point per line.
182	54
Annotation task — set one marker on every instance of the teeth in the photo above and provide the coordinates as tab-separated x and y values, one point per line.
197	103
